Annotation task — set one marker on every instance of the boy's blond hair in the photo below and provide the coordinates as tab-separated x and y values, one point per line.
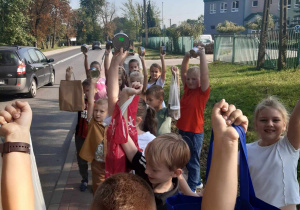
156	90
169	149
137	76
193	69
101	101
273	102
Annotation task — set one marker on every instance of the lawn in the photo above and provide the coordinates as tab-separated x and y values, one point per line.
244	86
152	54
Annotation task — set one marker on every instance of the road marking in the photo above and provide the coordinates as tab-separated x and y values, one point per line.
67	59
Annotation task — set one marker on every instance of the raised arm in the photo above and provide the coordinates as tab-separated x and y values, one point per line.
107	61
91	99
86	65
112	80
204	78
184	67
221	187
293	133
16	183
163	67
145	73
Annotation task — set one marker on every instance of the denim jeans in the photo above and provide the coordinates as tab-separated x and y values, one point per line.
82	164
195	141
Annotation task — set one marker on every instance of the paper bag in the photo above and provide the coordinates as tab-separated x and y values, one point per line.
71	97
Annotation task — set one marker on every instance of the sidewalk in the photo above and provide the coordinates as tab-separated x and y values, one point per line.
67	195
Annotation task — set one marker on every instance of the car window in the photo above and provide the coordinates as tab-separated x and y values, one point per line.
8	58
41	56
27	57
33	56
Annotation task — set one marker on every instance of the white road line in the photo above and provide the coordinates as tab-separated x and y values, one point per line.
67	58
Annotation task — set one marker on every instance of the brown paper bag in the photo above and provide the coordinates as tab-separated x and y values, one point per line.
71	97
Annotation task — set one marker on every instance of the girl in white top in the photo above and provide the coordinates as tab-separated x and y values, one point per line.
273	159
146	124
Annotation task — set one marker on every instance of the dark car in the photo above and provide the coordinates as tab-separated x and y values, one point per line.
96	45
208	45
24	70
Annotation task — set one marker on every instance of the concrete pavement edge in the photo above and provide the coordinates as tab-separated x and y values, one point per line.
63	177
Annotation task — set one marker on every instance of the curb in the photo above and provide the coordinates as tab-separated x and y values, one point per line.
63	177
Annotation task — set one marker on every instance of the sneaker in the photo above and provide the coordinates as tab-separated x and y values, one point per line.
83	185
199	187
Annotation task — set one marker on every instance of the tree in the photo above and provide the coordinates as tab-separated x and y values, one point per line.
59	14
229	27
283	35
14	23
257	23
107	14
263	35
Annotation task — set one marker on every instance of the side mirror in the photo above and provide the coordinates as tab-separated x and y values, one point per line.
50	60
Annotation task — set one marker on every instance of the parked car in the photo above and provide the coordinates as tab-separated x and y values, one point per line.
24	70
96	45
208	45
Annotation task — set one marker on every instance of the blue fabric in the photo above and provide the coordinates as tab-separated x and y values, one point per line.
246	200
195	141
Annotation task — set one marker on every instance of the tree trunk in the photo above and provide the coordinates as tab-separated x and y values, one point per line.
282	35
54	34
146	25
263	35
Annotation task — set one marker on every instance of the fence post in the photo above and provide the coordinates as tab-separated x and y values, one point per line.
233	48
298	52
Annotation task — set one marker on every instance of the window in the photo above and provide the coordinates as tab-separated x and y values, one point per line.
297	3
212	8
223	7
235	6
41	56
212	27
254	3
33	56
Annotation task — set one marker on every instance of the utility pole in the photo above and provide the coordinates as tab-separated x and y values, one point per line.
162	17
282	35
170	22
146	25
263	35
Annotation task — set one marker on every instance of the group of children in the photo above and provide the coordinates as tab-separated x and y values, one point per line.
133	118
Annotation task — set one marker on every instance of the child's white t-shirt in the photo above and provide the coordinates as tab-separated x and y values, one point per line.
144	139
160	83
273	171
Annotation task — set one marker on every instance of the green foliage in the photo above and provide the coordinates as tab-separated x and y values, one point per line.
150	16
128	27
14	21
229	27
244	86
257	23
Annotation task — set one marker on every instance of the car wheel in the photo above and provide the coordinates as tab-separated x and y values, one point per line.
52	79
32	89
93	48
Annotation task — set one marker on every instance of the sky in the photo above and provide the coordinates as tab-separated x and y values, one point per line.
176	10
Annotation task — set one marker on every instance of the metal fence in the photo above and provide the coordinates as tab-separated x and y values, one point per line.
182	45
243	49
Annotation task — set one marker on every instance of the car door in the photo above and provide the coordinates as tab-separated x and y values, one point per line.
37	67
45	64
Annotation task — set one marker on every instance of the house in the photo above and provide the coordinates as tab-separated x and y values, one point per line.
243	11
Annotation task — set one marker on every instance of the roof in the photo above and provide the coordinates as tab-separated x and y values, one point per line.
13	47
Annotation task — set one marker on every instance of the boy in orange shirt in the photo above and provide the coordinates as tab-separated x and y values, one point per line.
192	104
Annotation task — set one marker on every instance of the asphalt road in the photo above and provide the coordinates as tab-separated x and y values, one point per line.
52	129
